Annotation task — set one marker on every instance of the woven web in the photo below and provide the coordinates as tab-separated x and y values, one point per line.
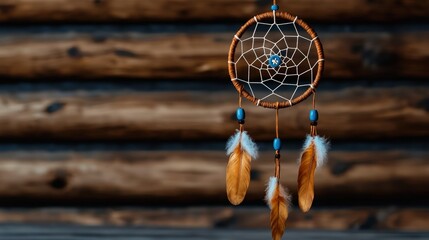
297	68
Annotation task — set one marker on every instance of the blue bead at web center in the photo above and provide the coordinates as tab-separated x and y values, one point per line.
274	61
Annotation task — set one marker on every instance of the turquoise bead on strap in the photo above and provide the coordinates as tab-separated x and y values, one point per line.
314	115
277	144
275	7
240	114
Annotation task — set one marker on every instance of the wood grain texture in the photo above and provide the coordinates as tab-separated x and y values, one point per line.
212	10
184	177
337	219
37	232
352	113
201	57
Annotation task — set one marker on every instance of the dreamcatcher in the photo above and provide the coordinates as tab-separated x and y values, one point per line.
275	61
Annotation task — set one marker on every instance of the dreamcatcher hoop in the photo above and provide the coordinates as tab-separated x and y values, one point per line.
282	104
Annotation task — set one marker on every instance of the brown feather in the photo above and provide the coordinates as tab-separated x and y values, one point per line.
279	212
238	175
306	178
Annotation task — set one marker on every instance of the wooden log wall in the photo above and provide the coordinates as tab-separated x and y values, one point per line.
390	219
127	103
208	11
149	177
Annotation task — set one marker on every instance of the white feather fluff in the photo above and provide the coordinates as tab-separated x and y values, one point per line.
246	143
232	142
271	188
322	146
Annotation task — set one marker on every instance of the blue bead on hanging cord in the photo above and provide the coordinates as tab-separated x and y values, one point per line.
274	7
240	114
314	117
277	144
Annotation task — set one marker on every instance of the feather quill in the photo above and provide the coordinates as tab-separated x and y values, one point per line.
278	201
241	149
313	156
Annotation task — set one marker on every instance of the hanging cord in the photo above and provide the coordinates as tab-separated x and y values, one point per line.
313	128
277	157
274	7
314	99
239	97
239	105
277	120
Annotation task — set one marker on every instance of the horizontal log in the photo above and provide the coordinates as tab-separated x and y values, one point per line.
70	232
132	55
212	10
184	177
352	113
402	219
